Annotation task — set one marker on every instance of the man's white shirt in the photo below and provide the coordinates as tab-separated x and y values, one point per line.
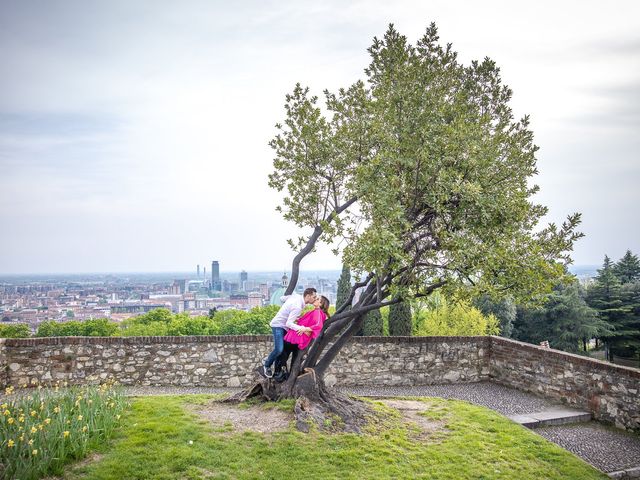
289	313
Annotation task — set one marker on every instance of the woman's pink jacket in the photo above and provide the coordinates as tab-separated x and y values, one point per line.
314	320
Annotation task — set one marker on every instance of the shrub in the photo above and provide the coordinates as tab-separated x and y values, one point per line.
19	330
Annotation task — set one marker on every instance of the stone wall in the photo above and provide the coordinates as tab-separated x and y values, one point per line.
228	361
608	391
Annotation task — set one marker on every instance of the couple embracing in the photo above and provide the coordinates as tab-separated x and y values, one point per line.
292	333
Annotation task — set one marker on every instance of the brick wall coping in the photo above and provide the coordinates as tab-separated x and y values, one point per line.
561	355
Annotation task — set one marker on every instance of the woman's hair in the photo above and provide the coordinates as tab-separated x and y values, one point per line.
324	305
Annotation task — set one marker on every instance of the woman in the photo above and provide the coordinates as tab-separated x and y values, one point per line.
294	341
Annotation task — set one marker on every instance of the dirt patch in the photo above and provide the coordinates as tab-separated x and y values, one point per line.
410	410
93	457
256	418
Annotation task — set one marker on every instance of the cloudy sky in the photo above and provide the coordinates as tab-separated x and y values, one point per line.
133	134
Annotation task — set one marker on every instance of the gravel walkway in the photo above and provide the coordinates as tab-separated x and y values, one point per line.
606	448
504	400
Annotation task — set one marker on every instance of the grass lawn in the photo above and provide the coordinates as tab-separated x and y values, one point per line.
162	438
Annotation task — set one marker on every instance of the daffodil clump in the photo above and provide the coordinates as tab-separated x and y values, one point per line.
42	430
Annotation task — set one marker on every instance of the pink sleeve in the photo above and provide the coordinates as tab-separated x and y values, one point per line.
318	320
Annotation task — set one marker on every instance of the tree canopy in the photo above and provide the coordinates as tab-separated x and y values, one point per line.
422	172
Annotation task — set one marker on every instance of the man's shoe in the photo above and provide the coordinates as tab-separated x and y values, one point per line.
267	371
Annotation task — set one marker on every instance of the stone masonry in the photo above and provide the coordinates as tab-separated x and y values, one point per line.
609	391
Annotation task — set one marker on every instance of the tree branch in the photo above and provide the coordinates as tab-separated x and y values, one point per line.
311	243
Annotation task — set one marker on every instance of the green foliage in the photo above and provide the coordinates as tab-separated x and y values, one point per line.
373	324
20	330
618	308
503	308
565	320
51	427
101	327
344	286
438	171
627	269
441	317
400	320
155	315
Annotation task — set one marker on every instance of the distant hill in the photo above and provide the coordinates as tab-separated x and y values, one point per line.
584	271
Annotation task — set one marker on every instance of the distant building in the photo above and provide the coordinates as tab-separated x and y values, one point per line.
279	292
215	276
179	287
255	299
243	279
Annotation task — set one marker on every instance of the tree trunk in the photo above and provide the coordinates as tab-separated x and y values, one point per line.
316	405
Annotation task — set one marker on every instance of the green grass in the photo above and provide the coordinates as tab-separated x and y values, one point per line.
477	443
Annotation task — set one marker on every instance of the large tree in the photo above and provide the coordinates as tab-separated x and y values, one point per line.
421	172
605	296
565	320
627	269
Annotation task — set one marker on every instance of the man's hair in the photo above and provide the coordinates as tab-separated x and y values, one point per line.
309	291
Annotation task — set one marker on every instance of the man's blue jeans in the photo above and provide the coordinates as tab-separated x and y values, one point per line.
278	341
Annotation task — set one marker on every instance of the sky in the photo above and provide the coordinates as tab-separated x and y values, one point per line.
134	134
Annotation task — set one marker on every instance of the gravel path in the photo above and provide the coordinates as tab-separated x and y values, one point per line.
606	448
504	400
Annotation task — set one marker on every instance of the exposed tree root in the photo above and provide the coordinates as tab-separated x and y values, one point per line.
316	406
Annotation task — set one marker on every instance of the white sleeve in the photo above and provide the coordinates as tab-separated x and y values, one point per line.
294	313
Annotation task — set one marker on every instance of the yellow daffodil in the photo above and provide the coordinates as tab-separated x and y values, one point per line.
22	437
47	421
31	442
79	417
65	434
21	418
34	429
56	409
40	427
6	413
117	417
85	428
11	443
35	452
10	420
5	405
33	413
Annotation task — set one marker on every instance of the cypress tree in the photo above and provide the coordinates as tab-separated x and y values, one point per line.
344	286
373	324
400	321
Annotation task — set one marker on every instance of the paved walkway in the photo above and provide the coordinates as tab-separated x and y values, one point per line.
611	450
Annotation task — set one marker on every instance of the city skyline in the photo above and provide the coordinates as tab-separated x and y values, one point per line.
133	137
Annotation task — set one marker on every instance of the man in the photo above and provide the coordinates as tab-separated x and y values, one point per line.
285	320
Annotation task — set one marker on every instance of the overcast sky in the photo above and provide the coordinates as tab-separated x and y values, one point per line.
133	135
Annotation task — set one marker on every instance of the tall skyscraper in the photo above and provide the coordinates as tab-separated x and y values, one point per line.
198	270
243	280
215	276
